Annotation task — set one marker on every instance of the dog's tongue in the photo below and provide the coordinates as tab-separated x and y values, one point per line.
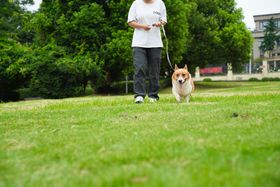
181	84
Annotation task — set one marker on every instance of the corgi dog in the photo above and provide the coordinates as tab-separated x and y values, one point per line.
182	84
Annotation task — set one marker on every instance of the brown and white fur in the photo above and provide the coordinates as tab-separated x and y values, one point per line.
182	84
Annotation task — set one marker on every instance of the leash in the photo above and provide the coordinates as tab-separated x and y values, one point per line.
166	47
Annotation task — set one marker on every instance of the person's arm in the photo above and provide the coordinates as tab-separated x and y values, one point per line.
163	18
136	25
159	24
132	19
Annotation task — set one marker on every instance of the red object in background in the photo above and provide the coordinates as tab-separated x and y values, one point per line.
212	70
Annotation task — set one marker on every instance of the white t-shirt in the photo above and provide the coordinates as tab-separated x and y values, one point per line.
147	13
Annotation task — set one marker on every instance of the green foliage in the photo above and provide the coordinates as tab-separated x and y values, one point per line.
11	51
56	75
9	15
270	79
207	80
88	67
218	35
270	37
83	31
253	79
177	31
26	32
11	54
120	87
41	24
53	74
117	54
117	11
236	44
71	40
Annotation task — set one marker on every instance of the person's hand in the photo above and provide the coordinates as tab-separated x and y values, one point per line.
147	27
157	24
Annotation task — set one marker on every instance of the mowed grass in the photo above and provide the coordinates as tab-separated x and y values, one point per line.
229	135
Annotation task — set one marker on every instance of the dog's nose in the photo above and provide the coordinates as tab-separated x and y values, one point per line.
180	81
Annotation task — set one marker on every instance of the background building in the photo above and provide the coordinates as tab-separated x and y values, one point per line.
273	63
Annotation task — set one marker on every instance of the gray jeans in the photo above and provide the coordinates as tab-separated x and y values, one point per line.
146	62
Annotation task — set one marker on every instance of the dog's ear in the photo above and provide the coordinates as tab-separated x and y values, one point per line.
176	67
186	67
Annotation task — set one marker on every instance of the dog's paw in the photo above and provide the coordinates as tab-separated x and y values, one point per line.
178	99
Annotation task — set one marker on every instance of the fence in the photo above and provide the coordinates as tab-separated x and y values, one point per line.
239	77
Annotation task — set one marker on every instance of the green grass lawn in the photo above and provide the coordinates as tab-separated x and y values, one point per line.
229	135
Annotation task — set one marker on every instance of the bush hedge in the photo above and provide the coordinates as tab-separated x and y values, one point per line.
207	80
253	79
271	79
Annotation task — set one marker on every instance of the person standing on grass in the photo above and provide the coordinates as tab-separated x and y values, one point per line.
146	17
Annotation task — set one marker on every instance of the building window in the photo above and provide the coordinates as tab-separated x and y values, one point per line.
277	68
278	23
260	43
278	43
263	24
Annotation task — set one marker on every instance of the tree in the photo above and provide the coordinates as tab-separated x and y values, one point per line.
177	31
78	31
117	53
217	34
83	31
11	51
10	16
54	74
271	37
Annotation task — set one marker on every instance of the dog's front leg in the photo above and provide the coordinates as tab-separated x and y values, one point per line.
188	98
178	97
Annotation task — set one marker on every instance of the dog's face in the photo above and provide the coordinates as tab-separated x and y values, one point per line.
181	75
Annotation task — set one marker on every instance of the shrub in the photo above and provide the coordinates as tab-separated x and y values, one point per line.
253	79
271	79
207	80
265	79
11	78
25	93
55	74
119	87
54	81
